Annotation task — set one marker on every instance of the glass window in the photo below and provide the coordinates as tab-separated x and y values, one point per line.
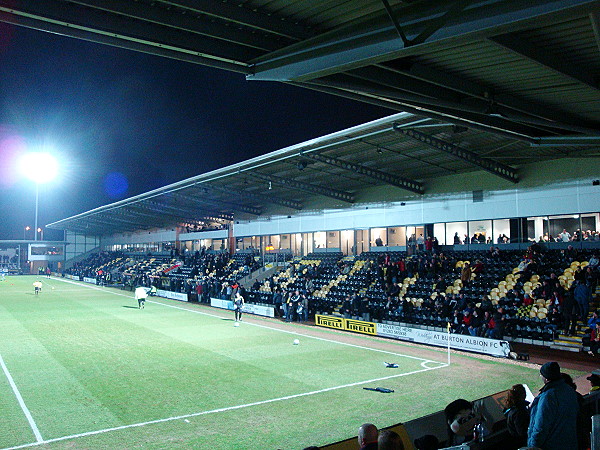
480	231
285	241
456	233
378	237
333	239
563	228
501	231
347	242
307	243
537	229
439	231
320	239
396	236
362	241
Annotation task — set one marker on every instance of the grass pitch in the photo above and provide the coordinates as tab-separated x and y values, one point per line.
83	367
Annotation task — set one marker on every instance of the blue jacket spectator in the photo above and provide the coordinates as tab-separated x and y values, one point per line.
554	411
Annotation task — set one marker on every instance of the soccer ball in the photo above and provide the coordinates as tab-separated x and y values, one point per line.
296	341
237	324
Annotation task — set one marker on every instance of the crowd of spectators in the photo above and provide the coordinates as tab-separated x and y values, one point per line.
428	287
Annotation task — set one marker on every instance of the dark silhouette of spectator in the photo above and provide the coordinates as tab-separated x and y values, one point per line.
427	442
553	424
517	415
367	436
389	440
461	421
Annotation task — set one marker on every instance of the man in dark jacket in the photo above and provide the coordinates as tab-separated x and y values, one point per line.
554	411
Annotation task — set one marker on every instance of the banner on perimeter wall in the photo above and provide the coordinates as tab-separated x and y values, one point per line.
172	295
493	347
267	311
89	280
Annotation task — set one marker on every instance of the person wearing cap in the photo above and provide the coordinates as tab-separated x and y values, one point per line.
594	380
553	424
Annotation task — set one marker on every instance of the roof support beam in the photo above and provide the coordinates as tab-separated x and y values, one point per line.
493	167
83	23
507	105
203	200
306	187
375	39
292	204
404	183
175	20
539	56
242	15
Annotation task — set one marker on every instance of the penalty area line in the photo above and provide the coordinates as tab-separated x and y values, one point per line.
34	428
225	409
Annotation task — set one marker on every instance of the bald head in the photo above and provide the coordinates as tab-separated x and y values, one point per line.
367	434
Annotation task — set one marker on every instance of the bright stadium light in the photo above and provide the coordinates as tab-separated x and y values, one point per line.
39	168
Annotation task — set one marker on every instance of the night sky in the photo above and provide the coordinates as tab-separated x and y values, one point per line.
122	123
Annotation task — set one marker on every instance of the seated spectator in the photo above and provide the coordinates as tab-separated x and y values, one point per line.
427	442
461	421
367	436
517	415
389	440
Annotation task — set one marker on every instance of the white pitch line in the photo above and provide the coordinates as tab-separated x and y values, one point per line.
15	389
260	325
227	408
230	408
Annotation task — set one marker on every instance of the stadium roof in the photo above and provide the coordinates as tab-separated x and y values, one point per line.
404	154
510	81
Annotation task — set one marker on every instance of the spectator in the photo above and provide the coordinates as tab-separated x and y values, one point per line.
565	236
595	340
427	442
553	424
594	380
517	415
584	427
461	421
367	436
583	295
389	440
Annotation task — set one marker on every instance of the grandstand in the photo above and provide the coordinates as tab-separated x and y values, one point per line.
467	219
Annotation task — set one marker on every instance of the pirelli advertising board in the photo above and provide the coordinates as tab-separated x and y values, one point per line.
493	347
340	323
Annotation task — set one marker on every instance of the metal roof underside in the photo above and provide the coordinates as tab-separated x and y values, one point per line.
521	77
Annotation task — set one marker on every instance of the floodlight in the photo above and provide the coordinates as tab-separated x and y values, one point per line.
39	167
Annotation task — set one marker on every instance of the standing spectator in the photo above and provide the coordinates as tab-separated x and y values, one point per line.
554	411
570	313
517	415
565	236
367	436
583	295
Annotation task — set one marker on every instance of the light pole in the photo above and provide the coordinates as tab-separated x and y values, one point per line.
39	168
27	228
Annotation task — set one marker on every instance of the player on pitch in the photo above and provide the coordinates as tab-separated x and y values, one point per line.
141	294
238	304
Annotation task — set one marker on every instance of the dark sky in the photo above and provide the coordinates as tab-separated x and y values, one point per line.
112	114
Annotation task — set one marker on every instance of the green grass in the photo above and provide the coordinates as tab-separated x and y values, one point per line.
86	359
